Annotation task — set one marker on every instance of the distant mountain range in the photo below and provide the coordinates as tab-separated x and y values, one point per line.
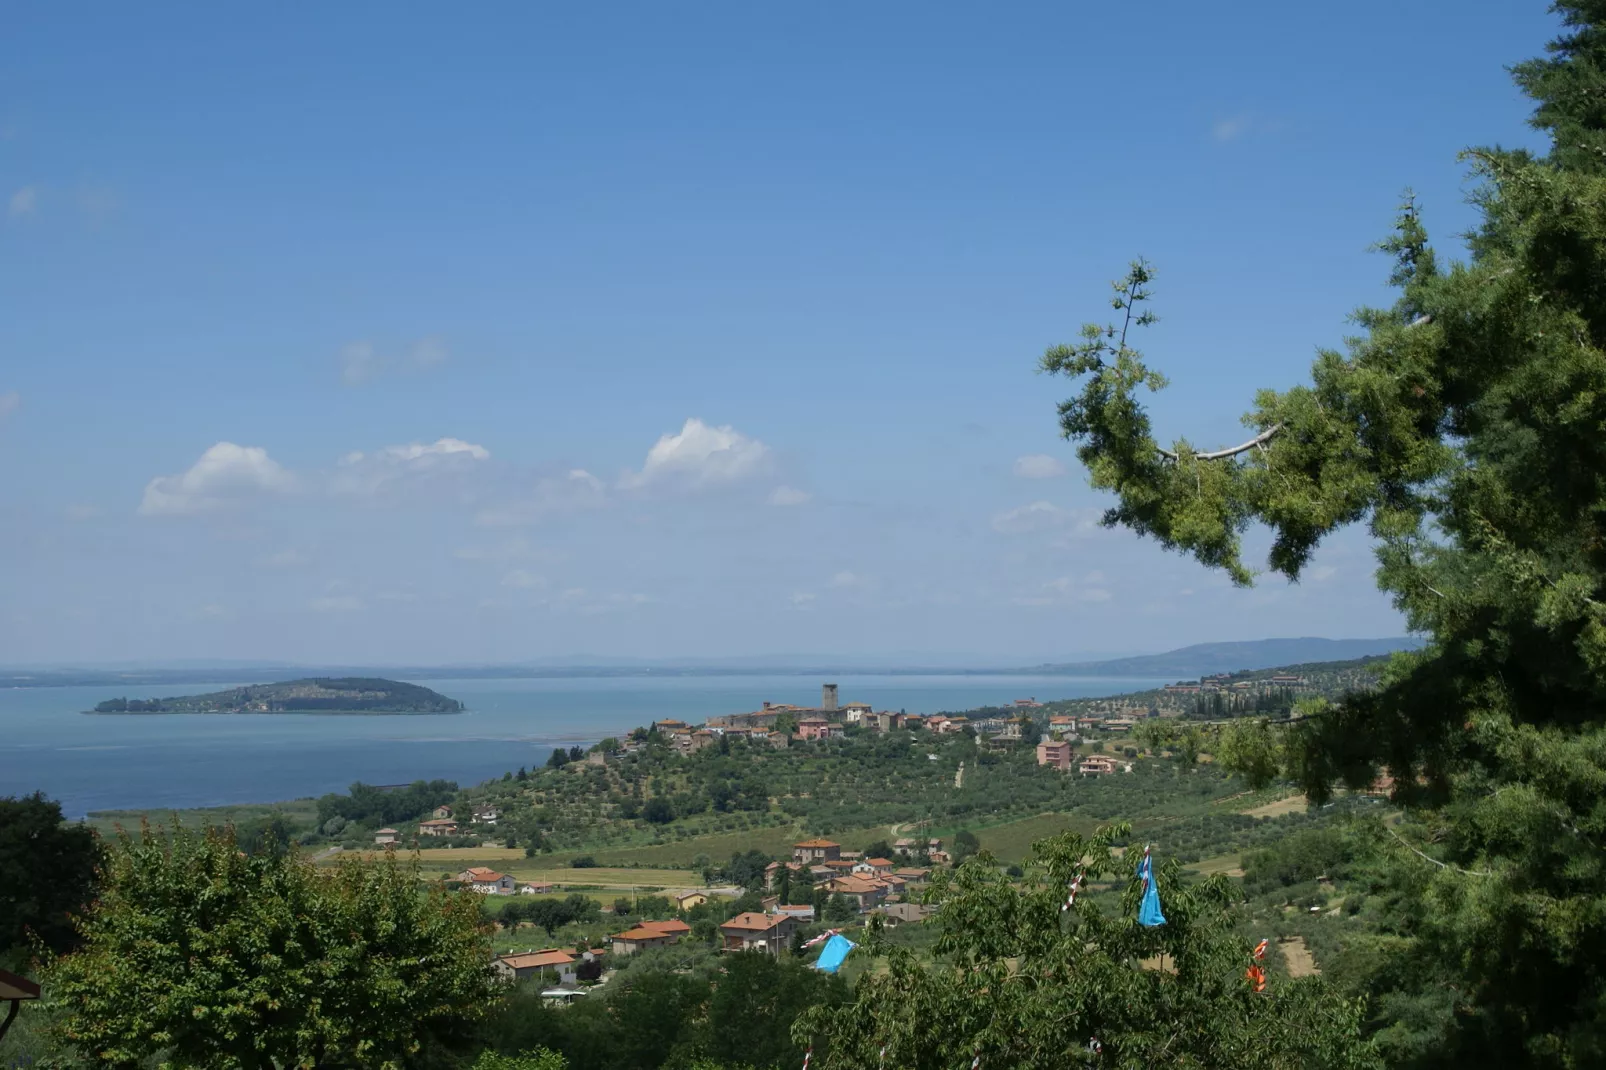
1187	662
1205	658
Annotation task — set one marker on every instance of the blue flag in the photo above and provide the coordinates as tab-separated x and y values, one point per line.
836	949
1149	909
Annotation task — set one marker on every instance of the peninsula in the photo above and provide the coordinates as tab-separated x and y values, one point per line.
322	694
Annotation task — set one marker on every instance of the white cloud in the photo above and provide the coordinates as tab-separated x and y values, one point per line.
24	202
82	511
847	580
1320	573
361	361
521	580
803	598
788	496
10	402
585	479
368	473
428	352
554	495
700	456
225	475
1039	466
424	453
1230	129
287	558
358	363
336	603
1038	516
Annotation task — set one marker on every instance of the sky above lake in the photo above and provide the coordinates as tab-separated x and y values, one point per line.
394	333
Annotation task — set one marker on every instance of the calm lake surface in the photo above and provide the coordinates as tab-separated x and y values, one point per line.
184	760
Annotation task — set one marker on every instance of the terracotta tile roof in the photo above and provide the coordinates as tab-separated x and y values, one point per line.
480	873
852	885
639	933
879	861
674	925
538	959
816	843
438	821
754	922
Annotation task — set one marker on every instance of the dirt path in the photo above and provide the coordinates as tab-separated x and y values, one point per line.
1298	957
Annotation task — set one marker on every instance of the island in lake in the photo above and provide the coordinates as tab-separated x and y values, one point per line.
321	694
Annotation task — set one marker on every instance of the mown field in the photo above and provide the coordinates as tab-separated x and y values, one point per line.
296	811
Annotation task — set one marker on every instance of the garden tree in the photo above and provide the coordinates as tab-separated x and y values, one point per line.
539	1059
1021	983
48	873
204	956
755	1002
965	845
1464	426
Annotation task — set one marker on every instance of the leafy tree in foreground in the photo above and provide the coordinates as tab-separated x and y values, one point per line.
203	956
1466	425
1026	985
47	873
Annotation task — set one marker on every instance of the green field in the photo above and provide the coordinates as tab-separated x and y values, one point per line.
543	870
719	846
296	811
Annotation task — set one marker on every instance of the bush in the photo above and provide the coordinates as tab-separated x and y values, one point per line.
583	862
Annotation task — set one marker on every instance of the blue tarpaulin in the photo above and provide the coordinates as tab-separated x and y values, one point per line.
1149	908
836	949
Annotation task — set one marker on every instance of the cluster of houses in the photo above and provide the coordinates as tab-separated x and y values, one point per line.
1061	755
868	883
829	720
441	822
490	882
1224	682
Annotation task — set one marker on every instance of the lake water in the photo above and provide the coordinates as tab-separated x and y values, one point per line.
178	760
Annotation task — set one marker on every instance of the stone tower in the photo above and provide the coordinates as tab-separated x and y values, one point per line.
828	697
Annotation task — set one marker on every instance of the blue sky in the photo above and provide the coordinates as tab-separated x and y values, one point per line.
396	334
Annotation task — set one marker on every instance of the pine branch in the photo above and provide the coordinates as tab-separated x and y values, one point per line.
1260	439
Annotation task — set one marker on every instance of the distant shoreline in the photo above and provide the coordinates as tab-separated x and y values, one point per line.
273	713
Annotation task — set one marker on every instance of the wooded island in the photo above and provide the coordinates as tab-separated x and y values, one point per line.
322	694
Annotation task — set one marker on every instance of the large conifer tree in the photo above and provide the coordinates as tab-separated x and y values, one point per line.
1467	428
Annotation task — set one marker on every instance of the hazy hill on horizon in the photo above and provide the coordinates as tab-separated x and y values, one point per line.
1202	659
1189	661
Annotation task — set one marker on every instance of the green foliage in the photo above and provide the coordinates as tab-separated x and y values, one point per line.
1298	858
48	874
1026	985
207	957
1463	426
370	806
539	1059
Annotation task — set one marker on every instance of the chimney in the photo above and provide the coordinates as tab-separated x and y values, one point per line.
828	697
